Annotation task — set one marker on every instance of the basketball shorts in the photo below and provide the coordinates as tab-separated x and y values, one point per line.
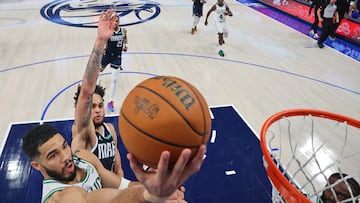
113	60
197	11
221	27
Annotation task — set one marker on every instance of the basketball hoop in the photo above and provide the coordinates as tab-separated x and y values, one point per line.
303	147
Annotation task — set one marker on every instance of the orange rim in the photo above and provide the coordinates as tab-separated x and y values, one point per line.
286	189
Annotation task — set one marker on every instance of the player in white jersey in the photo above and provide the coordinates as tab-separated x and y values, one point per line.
81	177
221	10
90	183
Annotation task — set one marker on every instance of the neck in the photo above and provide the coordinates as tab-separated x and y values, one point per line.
80	174
100	129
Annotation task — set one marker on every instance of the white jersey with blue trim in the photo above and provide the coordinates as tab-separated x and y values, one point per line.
90	182
220	12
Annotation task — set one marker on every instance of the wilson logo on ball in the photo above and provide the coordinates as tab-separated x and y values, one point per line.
144	105
183	95
163	113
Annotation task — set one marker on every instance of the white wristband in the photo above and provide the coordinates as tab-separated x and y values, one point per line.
124	183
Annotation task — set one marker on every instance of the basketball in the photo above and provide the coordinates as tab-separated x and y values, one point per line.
163	113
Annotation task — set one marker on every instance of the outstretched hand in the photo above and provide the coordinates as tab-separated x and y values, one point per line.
106	24
166	181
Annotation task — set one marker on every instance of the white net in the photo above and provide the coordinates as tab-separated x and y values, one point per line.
309	149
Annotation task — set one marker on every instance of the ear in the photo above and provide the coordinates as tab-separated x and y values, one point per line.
36	165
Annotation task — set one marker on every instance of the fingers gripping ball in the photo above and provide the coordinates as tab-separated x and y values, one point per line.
163	113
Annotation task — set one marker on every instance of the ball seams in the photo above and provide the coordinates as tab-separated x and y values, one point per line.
152	136
202	134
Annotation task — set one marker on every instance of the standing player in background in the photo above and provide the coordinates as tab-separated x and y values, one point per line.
314	27
113	52
197	13
221	10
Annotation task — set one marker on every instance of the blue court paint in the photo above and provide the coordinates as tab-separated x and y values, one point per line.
236	149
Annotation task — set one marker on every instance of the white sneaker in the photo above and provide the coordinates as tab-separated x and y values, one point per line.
311	32
315	36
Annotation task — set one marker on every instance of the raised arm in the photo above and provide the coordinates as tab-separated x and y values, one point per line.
164	182
83	125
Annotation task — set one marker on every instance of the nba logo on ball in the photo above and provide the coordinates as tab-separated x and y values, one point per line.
163	113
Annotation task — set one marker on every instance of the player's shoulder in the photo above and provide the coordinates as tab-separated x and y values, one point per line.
109	124
112	130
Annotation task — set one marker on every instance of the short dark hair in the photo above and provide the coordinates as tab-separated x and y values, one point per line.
36	137
100	90
355	187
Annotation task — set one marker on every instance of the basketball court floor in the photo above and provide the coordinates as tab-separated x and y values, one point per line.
268	67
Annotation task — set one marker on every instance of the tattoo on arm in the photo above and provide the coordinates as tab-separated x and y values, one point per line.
93	65
87	118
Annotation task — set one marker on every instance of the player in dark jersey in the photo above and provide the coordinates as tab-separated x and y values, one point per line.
197	13
101	139
113	52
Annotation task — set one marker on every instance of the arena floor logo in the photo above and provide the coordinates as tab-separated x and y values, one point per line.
83	13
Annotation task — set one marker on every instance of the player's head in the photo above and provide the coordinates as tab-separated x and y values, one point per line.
117	22
340	190
49	153
220	2
97	108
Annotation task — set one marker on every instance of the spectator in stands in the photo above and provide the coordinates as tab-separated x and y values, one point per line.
354	12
